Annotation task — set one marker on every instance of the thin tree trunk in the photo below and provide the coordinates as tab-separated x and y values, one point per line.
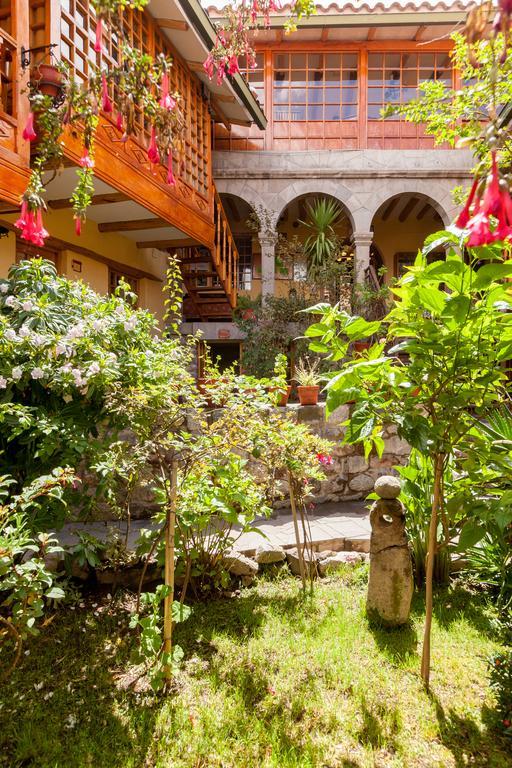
300	553
431	554
170	528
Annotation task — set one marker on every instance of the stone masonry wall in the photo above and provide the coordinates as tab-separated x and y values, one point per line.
351	477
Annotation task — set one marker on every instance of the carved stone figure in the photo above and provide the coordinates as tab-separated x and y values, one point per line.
390	585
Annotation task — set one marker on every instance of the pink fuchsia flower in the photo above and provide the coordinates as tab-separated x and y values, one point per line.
209	66
325	459
106	103
464	216
31	225
119	121
491	202
170	175
233	68
166	100
86	160
99	32
153	154
78	226
480	231
29	133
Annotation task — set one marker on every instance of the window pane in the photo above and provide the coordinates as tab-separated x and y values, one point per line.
281	95
332	112
350	95
392	60
350	60
333	61
315	113
281	61
315	61
375	95
332	95
349	112
298	61
350	74
376	61
374	111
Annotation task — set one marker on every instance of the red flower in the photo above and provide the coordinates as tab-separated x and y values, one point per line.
31	225
153	154
78	226
86	160
324	459
166	100
106	103
209	66
480	231
99	30
170	175
507	723
233	68
464	216
119	121
29	133
491	203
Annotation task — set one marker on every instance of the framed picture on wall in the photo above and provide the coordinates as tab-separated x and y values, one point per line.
404	259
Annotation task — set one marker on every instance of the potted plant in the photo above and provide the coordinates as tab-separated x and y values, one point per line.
48	80
279	381
308	379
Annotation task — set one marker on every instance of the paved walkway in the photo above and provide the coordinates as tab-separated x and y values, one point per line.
335	526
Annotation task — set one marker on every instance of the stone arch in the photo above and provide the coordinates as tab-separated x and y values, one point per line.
414	189
316	188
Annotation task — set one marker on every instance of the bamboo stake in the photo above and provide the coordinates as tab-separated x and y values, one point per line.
431	554
170	527
300	553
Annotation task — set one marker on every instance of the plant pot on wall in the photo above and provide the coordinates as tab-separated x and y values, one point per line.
308	395
48	79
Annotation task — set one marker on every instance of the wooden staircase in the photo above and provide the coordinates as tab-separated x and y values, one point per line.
210	276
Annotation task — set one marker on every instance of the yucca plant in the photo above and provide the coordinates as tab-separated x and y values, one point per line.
321	245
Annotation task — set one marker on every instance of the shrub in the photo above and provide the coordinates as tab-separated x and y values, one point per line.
500	669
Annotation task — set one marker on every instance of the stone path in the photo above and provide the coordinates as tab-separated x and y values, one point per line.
334	526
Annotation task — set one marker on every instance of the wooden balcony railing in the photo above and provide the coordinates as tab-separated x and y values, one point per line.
225	254
210	276
8	134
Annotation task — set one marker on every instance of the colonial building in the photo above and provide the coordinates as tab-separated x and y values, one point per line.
322	89
135	217
306	122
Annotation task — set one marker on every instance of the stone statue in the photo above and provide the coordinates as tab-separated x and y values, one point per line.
390	585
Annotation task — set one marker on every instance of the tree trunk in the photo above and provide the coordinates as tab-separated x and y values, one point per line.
431	554
170	527
300	552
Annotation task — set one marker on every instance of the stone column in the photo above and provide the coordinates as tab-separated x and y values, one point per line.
390	584
362	242
268	264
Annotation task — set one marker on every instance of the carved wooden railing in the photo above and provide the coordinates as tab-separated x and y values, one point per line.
8	54
225	253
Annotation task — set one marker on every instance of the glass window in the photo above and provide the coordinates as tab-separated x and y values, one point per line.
401	74
244	246
309	85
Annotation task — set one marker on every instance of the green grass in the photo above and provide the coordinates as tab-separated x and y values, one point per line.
269	679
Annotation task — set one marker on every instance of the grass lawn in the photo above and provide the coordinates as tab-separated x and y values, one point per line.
269	679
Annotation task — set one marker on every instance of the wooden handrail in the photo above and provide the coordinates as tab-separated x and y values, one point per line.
225	253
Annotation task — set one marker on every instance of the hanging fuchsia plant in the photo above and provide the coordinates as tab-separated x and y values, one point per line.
487	214
29	133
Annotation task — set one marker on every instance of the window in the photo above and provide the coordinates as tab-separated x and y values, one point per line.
25	250
244	246
315	87
115	277
393	78
256	78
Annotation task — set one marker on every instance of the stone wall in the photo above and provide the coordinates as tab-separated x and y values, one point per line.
351	476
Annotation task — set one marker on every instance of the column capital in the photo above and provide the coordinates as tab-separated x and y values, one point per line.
267	239
362	238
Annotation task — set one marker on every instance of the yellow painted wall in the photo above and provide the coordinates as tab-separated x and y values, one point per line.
394	236
115	247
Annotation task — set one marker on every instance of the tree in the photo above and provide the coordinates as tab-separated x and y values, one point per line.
454	322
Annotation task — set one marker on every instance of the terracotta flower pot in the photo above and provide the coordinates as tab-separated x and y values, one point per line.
48	79
308	395
285	396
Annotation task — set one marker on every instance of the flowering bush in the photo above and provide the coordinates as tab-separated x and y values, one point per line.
500	670
63	350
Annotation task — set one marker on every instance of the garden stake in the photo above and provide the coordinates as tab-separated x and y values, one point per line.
170	527
431	554
300	553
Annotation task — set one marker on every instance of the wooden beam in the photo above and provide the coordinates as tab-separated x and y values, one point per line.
133	224
407	209
387	213
164	244
371	33
419	32
426	208
226	97
172	24
104	199
220	113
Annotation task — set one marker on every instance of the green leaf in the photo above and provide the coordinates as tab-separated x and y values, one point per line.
472	532
180	612
491	273
431	298
55	593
